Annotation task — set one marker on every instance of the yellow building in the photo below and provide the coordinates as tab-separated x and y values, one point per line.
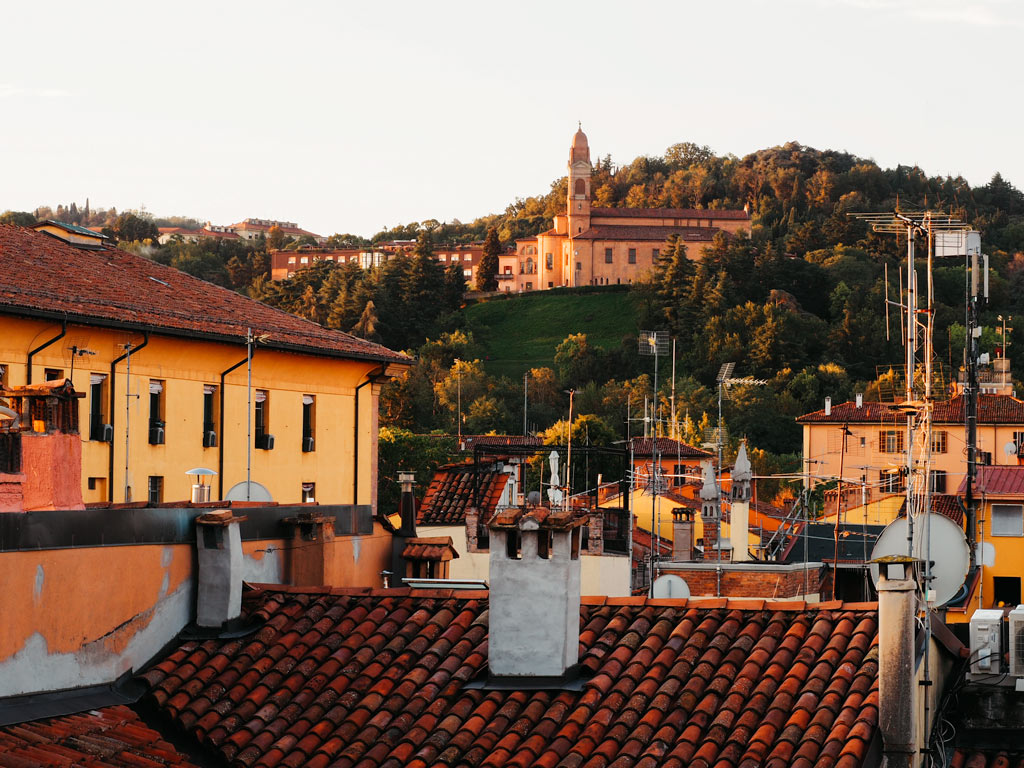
873	458
606	246
162	360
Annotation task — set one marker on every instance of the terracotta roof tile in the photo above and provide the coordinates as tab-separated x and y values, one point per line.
112	736
41	274
451	490
644	447
992	409
675	683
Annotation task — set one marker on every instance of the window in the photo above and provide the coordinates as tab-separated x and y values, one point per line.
308	493
939	441
291	259
890	481
1007	520
529	286
549	259
655	254
156	412
97	407
156	489
52	374
467	257
632	255
467	273
580	188
209	416
1005	590
678	475
1018	440
890	441
261	420
304	260
308	423
937	481
607	255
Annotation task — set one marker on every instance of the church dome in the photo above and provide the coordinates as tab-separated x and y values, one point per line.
580	148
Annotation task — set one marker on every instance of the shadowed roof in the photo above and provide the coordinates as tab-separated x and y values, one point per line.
992	409
378	679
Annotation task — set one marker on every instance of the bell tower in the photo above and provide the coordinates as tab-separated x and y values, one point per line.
578	208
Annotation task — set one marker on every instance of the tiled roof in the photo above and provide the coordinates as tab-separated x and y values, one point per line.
971	758
992	409
667	447
112	736
429	548
639	232
469	442
997	481
42	276
257	227
670	213
73	228
379	679
451	492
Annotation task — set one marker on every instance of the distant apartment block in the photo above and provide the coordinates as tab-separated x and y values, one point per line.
249	229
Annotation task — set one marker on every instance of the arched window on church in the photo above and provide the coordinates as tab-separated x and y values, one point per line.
580	188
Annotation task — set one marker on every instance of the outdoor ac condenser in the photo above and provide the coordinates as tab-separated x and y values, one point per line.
1016	649
987	642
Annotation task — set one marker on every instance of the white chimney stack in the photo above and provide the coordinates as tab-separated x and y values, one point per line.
534	610
219	545
897	720
828	406
740	508
860	399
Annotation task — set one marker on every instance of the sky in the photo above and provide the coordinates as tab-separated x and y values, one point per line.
351	117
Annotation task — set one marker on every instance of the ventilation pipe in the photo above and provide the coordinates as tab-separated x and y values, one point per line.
41	347
113	409
896	685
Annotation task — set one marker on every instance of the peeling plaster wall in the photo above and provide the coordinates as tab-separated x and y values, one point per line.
85	616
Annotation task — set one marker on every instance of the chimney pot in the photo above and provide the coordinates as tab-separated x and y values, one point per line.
860	400
828	406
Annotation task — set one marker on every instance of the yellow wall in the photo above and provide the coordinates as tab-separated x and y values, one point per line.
997	555
185	365
823	447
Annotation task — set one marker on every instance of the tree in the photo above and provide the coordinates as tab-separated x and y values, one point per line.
17	218
576	360
454	287
367	326
487	270
276	238
309	306
130	228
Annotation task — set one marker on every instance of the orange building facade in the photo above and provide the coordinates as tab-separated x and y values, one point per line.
606	246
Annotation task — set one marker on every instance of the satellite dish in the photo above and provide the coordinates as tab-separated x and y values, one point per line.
1010	448
256	492
949	552
670	586
533	497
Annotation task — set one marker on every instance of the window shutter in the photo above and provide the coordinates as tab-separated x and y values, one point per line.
155	387
307	399
209	389
261	395
97	378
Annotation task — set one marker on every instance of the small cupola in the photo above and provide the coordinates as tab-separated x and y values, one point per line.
534	611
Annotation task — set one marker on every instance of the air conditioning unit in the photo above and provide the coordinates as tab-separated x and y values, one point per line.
307	444
209	439
1016	644
103	432
987	642
265	442
156	435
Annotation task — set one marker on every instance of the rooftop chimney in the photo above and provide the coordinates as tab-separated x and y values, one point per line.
710	511
534	611
828	406
860	399
219	543
740	510
312	562
896	685
682	534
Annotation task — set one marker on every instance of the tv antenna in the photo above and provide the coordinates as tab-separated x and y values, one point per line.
653	343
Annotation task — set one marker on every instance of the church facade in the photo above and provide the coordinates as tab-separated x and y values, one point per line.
606	246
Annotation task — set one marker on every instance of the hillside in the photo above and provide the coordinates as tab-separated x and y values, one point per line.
521	332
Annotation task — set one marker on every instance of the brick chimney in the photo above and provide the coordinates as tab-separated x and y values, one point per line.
534	611
897	719
219	545
682	534
311	556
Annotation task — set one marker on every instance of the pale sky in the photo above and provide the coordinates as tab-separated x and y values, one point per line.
348	117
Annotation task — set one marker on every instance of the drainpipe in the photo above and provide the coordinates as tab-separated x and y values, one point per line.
113	408
370	379
41	347
896	684
220	424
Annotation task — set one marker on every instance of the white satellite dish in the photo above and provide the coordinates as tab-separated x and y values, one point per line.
1010	448
670	586
949	552
256	492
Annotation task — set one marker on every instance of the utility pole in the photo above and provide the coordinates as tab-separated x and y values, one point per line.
525	378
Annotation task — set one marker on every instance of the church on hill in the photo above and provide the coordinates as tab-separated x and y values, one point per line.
606	246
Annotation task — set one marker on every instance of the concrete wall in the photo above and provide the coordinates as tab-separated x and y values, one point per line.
84	616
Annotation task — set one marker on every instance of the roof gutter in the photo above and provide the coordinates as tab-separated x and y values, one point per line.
220	425
44	345
397	358
113	407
